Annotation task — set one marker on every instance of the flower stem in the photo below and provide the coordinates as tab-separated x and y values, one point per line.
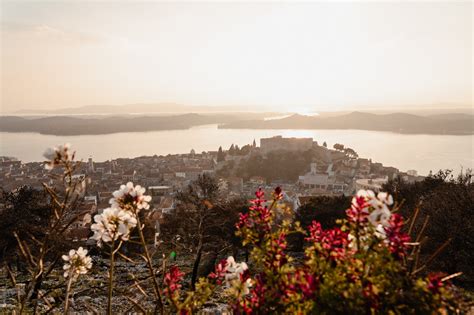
111	278
150	265
68	290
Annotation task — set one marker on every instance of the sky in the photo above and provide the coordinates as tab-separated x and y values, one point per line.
284	56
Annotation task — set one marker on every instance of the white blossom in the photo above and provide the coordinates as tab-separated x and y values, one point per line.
378	214
50	153
368	194
377	207
76	262
380	232
57	154
246	286
385	198
130	195
233	272
364	239
86	219
112	224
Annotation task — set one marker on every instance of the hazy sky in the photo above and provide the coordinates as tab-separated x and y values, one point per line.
298	56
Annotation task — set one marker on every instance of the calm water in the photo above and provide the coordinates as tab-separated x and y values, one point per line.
419	152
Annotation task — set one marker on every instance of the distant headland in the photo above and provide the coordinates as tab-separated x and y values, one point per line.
440	124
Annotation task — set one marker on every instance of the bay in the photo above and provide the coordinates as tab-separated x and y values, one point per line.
419	152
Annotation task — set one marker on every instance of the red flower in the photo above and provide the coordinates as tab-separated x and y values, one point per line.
278	193
252	303
397	239
304	282
259	193
257	220
359	210
333	242
370	295
276	256
243	221
435	282
172	280
219	272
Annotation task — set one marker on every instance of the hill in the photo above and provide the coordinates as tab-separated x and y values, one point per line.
63	125
452	124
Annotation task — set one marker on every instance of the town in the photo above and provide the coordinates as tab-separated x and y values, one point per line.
307	170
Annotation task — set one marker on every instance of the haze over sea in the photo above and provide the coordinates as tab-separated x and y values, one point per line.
405	152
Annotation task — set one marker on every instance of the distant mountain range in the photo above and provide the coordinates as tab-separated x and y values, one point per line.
159	108
174	108
448	124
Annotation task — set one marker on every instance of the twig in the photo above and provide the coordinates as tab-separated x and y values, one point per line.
136	304
433	256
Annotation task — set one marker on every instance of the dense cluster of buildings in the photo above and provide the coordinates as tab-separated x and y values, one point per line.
331	173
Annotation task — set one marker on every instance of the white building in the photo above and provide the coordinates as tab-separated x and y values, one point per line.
412	172
313	179
156	191
370	184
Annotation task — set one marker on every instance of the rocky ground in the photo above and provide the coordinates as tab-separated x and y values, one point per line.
90	291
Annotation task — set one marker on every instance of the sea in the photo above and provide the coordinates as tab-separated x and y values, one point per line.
423	153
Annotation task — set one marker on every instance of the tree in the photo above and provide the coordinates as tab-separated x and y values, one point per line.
324	209
245	150
203	220
220	155
43	226
325	144
232	150
338	147
351	153
26	212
